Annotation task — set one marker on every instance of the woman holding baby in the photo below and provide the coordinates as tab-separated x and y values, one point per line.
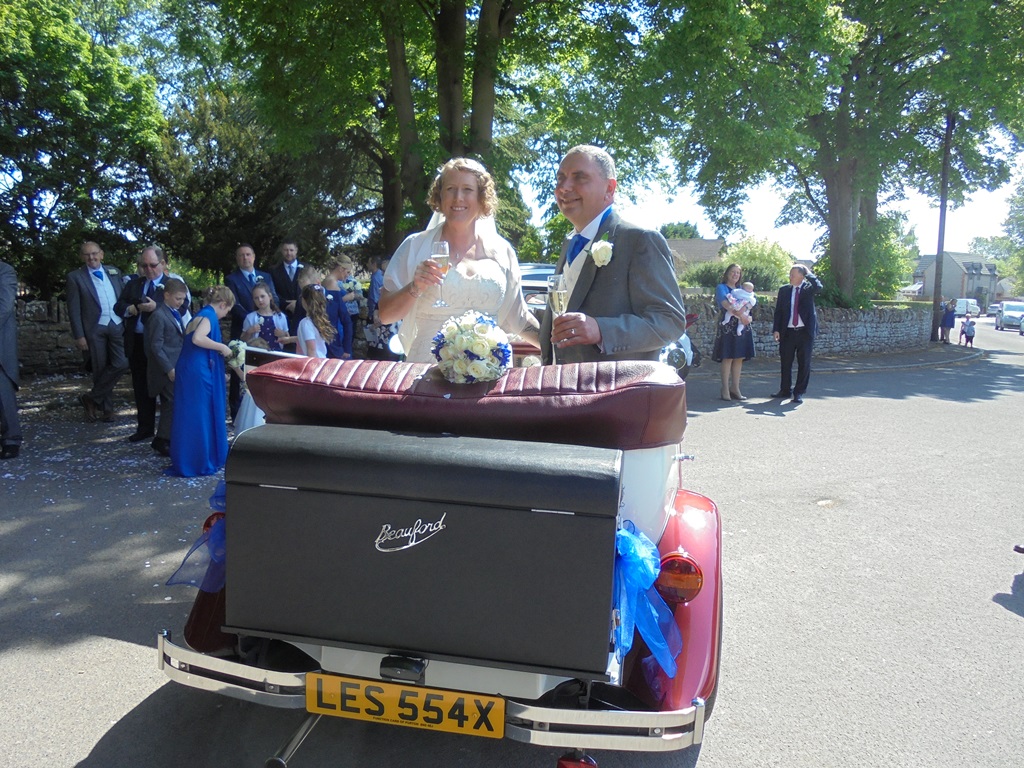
733	340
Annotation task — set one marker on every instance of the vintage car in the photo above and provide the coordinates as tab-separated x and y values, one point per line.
474	558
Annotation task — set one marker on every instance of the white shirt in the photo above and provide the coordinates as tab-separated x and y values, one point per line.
572	271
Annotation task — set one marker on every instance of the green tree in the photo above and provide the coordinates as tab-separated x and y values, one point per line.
679	230
843	104
1013	227
74	123
769	260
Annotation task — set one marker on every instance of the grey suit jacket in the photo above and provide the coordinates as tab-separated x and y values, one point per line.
163	340
634	298
83	303
8	322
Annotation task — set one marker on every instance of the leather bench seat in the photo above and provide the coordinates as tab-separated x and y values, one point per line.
623	405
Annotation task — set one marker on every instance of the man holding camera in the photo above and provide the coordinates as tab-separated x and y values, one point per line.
140	297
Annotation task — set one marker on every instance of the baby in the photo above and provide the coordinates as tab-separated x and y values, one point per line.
741	300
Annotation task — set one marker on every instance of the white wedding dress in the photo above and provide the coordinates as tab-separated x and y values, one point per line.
477	285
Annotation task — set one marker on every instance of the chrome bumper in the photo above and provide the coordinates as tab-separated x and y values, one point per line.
545	726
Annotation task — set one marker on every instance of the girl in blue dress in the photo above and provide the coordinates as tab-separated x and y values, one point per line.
199	436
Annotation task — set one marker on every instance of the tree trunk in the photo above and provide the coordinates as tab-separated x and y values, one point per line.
413	178
392	202
497	20
450	34
842	198
947	148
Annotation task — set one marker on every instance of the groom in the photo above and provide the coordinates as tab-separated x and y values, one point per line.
624	301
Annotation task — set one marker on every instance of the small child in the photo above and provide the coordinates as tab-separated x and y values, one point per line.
266	322
741	299
963	328
969	332
315	329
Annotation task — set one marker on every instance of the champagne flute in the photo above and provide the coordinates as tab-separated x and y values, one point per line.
558	299
439	253
558	296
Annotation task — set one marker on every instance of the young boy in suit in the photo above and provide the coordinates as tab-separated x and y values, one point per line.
164	335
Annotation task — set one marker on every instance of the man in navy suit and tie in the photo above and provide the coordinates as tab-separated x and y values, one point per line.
795	326
286	282
92	292
241	282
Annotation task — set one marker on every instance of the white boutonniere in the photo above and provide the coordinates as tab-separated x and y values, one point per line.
601	251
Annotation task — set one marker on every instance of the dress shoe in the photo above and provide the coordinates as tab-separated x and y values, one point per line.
10	452
797	399
780	395
107	417
90	407
161	446
737	396
138	437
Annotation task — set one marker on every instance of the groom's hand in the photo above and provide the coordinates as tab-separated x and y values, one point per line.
573	329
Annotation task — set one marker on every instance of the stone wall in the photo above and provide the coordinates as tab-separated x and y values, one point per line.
840	331
45	345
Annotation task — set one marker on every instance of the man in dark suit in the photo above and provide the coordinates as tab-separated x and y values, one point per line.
241	282
624	301
141	296
164	336
10	426
286	282
92	292
794	328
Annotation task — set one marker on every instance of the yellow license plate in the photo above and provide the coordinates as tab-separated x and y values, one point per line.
430	708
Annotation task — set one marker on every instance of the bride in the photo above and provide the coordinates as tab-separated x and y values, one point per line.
484	272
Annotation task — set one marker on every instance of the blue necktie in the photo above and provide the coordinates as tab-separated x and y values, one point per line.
252	278
177	316
98	273
575	247
150	289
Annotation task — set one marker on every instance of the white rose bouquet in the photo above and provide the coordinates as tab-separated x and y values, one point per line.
237	359
472	348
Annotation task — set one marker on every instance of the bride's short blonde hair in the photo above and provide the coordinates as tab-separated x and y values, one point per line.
488	196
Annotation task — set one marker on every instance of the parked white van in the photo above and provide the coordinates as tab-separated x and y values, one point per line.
963	306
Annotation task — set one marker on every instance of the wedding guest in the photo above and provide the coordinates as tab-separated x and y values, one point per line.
339	348
92	292
10	425
286	282
732	346
266	322
315	329
624	301
376	284
241	282
141	295
380	334
199	439
162	340
795	326
948	319
483	274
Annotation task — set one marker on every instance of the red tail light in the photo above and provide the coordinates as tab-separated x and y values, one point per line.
680	579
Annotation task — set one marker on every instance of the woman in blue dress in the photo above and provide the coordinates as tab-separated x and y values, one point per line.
199	436
732	346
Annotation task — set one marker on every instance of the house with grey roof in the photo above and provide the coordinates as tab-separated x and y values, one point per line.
695	250
964	275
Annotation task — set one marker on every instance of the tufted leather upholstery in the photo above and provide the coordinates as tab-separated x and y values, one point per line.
625	405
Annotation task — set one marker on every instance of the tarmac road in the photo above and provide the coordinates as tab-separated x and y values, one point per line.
874	609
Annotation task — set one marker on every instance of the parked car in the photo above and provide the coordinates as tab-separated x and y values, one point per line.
993	310
1009	315
481	568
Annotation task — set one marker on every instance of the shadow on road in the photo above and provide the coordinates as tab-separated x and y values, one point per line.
177	726
1014	601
